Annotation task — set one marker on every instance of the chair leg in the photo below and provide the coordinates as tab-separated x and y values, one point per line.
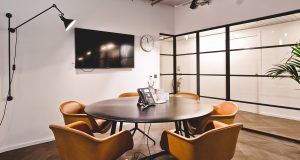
136	128
186	129
176	127
121	126
179	127
113	127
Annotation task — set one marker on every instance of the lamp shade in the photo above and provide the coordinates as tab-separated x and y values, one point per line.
67	22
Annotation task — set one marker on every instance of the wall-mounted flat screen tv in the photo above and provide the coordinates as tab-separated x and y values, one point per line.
98	49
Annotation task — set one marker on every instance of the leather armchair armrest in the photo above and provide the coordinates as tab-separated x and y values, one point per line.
75	115
218	124
177	145
81	126
114	146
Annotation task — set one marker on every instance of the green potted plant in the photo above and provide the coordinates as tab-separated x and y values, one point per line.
289	69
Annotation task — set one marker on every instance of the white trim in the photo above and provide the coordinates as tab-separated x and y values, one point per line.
279	116
272	114
26	144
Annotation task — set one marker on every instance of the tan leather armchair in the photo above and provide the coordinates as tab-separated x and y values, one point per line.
76	142
192	96
224	112
216	144
188	95
73	111
128	94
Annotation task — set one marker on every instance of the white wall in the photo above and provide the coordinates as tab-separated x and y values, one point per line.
46	76
222	12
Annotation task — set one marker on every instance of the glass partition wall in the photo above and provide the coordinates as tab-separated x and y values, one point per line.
230	62
166	62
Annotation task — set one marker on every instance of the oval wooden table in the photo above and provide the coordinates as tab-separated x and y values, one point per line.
126	110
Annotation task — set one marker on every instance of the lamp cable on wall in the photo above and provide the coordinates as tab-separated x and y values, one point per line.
68	23
148	142
12	76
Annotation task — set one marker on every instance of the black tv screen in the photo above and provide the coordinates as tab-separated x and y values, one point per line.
98	49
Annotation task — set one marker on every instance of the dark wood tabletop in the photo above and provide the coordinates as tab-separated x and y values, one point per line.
126	110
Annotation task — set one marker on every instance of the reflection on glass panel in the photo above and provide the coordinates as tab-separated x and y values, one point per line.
245	62
244	88
271	120
265	90
186	44
166	64
212	40
273	56
285	33
245	39
166	83
186	84
187	64
247	108
279	92
212	63
166	45
213	102
213	86
275	31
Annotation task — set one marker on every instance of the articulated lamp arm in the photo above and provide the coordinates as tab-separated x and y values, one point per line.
67	22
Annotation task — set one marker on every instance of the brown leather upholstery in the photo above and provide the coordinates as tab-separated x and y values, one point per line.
192	96
224	112
73	111
128	94
188	95
216	144
76	142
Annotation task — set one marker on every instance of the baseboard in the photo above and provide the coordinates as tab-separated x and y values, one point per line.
274	115
279	116
26	144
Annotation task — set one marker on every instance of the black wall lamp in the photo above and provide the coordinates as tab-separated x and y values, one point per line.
67	22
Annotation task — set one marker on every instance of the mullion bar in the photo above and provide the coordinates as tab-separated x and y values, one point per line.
174	65
187	74
198	62
263	47
219	51
185	54
250	48
242	75
269	105
254	103
213	97
227	37
164	34
256	75
212	74
166	54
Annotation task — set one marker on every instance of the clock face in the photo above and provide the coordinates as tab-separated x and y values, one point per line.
147	43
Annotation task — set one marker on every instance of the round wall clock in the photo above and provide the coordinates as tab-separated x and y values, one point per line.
147	43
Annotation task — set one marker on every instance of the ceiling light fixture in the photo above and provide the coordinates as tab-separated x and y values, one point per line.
196	3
